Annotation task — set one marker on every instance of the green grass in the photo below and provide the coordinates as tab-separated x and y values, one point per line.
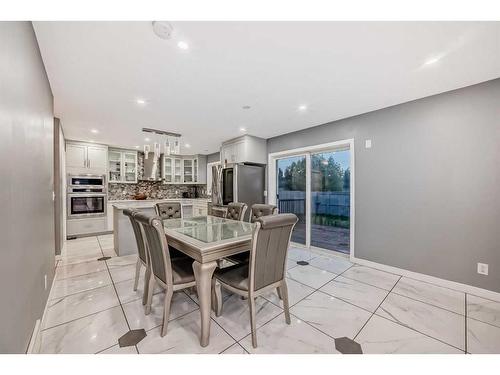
331	220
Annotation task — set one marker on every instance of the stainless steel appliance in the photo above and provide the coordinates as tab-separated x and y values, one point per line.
86	196
239	183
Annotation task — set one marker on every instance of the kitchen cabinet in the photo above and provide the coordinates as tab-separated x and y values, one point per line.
245	149
200	207
86	158
189	169
122	166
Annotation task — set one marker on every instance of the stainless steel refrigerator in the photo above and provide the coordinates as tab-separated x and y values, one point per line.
238	183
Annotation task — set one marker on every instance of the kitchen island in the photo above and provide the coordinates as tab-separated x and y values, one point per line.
123	234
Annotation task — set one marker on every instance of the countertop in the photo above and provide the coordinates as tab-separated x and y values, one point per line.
149	203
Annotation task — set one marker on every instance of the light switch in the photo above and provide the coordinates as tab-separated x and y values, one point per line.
368	143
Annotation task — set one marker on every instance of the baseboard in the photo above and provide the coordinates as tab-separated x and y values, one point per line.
34	345
480	292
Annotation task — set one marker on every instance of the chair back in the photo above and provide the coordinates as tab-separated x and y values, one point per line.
169	210
270	241
138	234
236	211
259	210
159	256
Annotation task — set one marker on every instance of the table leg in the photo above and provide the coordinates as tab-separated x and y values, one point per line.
203	275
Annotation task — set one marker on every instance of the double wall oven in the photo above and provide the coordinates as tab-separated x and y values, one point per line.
87	196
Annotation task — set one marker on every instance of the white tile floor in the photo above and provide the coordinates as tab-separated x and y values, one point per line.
92	304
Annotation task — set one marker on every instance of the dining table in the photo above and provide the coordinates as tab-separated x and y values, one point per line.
207	239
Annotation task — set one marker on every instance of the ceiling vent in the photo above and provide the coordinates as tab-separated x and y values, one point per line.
163	29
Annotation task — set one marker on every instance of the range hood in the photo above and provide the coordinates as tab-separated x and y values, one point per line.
152	168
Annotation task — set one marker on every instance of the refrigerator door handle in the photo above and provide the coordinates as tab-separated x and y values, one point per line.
235	183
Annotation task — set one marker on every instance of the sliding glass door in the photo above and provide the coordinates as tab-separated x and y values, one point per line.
330	200
291	192
315	185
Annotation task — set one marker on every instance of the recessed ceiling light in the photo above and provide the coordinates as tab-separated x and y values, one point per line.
302	107
146	139
243	129
182	45
187	145
140	101
432	60
137	146
95	131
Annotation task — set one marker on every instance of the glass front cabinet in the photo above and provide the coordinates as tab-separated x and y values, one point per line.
184	169
122	166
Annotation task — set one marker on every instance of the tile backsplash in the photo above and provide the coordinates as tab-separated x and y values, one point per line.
152	189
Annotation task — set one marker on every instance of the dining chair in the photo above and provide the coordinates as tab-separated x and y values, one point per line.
265	271
171	274
166	211
142	260
236	211
218	213
256	211
169	210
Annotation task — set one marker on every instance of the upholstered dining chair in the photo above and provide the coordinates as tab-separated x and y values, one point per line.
171	274
256	211
142	260
166	211
236	211
266	269
169	210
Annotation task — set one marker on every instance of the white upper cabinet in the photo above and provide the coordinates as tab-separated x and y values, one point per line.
87	158
245	149
122	166
185	169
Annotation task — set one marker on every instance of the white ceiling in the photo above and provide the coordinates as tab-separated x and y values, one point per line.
338	69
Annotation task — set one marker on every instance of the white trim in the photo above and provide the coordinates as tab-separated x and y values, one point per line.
480	292
271	196
34	345
308	200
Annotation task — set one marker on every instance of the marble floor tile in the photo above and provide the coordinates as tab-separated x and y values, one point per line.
80	283
235	349
64	309
277	337
183	337
290	264
482	338
482	309
90	334
134	311
296	292
85	268
333	264
83	243
380	279
381	336
122	273
432	294
433	321
296	253
360	294
117	350
123	261
126	293
330	315
80	258
310	276
106	241
235	318
109	252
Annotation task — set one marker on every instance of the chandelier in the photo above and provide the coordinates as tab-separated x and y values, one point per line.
169	142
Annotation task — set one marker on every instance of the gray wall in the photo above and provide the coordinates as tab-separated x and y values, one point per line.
26	149
213	157
428	191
